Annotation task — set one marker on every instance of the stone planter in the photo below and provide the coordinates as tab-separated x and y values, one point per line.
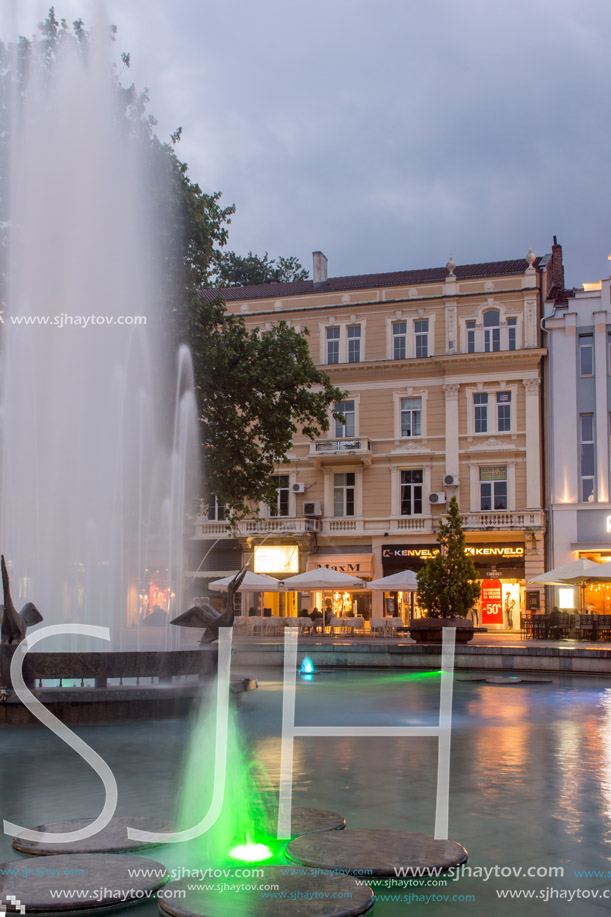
429	630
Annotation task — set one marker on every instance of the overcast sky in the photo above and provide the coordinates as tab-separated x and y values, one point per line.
388	134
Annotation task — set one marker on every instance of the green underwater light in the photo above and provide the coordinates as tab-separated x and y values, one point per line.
250	853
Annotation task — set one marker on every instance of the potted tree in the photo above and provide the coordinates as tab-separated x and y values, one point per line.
447	585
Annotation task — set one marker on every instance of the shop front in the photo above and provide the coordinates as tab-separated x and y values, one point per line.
280	561
343	604
500	569
594	543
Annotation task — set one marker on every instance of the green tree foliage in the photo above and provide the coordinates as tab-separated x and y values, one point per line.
447	584
255	391
236	271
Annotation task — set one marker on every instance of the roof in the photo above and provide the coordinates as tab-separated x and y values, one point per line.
364	281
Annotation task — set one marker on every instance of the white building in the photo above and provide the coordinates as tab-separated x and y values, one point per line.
578	394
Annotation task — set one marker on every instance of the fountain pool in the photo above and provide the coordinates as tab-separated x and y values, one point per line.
530	776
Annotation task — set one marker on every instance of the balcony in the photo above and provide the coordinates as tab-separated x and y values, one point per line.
341	451
504	521
298	526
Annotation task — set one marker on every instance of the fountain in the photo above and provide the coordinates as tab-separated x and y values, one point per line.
96	473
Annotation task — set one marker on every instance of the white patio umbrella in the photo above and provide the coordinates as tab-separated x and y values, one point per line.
321	579
404	581
576	573
252	582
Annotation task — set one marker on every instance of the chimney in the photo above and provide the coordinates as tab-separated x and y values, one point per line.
320	268
556	268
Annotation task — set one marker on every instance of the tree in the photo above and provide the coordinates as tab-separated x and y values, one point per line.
254	391
233	270
447	584
263	389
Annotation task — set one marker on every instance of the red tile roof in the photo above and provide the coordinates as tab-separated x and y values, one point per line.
364	281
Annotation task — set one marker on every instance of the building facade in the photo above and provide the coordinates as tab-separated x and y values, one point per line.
443	371
578	326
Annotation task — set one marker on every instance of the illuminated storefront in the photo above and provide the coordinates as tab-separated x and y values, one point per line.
341	603
500	568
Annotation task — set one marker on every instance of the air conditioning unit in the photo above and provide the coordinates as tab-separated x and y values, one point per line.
437	498
312	508
298	488
450	480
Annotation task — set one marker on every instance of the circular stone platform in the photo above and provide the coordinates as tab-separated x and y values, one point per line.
378	852
305	820
305	895
503	680
100	881
111	839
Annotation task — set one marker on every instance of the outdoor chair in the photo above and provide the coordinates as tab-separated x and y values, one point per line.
376	626
584	627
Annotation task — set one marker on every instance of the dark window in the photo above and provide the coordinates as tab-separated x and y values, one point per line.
332	345
492	331
421	335
411	493
343	494
345	430
512	333
587	459
215	510
399	340
503	412
281	507
480	402
493	488
354	343
586	355
470	336
411	417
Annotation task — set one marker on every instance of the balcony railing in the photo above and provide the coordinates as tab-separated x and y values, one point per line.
504	520
294	526
329	450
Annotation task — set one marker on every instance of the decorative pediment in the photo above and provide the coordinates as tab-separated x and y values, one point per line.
489	445
411	448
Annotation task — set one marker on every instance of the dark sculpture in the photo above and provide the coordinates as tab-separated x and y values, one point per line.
208	617
15	624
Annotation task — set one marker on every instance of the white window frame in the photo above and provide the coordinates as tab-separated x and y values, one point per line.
213	506
357	407
329	490
412	411
477	315
410	343
493	509
415	464
417	334
264	509
343	325
474	482
493	417
585	341
423	497
410	393
336	425
395	337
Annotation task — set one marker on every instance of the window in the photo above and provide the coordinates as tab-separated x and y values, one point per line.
421	337
586	436
354	343
343	494
345	430
333	345
492	331
512	334
281	506
470	325
411	417
503	412
609	351
493	487
480	402
586	355
399	340
215	511
411	493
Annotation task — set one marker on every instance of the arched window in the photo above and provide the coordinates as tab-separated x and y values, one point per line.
492	331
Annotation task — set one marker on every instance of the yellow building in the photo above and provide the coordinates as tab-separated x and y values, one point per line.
443	371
